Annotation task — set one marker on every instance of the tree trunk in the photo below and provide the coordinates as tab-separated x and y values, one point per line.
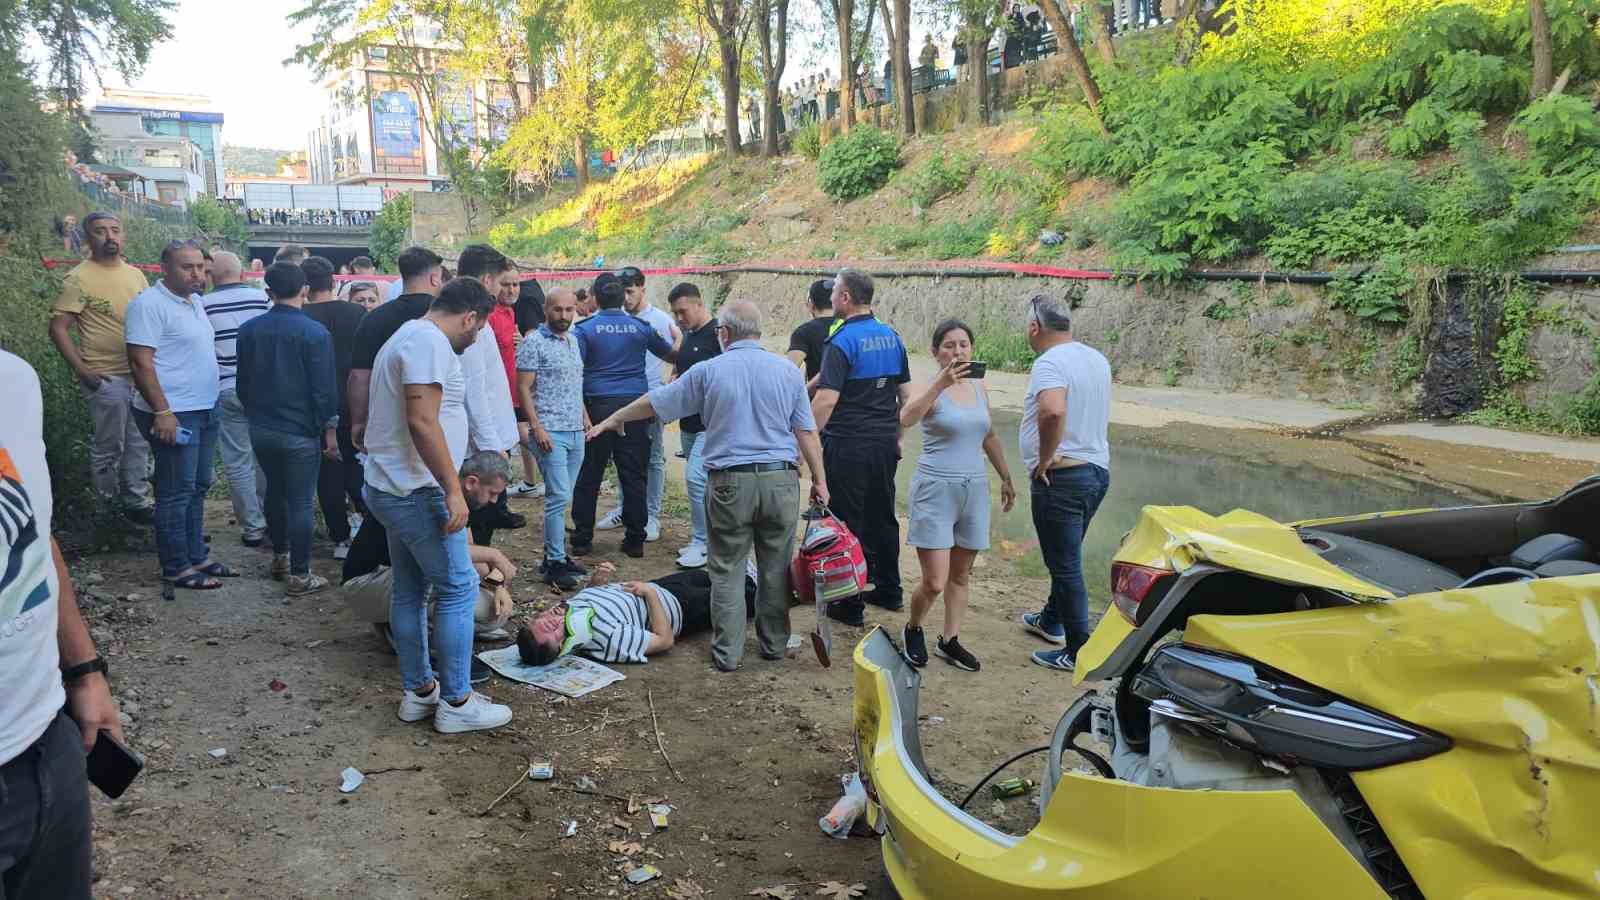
844	13
978	59
898	29
1067	43
1544	70
728	44
774	59
1100	15
580	160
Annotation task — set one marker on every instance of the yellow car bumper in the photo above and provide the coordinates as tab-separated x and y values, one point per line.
1099	838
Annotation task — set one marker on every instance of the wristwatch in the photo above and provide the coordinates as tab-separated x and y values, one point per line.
70	674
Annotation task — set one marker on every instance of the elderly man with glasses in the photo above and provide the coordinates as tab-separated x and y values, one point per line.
758	425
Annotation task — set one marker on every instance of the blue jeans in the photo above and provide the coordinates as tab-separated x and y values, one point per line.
422	555
44	818
1062	510
560	470
694	477
291	463
183	476
656	480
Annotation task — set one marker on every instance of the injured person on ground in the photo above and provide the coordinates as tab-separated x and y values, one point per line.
625	622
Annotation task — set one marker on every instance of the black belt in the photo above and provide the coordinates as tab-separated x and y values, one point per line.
760	467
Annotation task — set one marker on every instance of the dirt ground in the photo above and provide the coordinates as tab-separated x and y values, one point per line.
760	751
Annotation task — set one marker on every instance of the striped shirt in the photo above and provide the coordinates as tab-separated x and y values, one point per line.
228	307
620	629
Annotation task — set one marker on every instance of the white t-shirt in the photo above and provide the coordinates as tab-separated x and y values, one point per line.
185	345
491	419
662	323
1087	377
29	592
418	353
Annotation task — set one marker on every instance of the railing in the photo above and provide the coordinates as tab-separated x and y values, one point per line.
298	227
131	205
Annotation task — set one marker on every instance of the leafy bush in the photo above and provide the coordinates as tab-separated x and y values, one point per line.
1379	294
391	229
947	240
806	139
857	164
938	176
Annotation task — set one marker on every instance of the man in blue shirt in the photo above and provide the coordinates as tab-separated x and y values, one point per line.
287	387
862	385
758	426
613	345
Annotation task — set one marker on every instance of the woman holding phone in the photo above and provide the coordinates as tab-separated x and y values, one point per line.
950	491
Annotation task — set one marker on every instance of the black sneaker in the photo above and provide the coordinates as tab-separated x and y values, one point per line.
635	550
916	646
573	568
510	521
847	612
558	574
955	654
580	548
887	605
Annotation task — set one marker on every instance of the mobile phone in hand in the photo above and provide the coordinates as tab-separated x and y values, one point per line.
183	436
976	369
112	767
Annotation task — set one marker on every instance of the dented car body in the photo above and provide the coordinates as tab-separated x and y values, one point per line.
1397	705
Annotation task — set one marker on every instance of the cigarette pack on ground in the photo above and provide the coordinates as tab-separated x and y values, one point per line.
642	874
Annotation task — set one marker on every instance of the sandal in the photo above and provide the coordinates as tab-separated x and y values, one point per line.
217	570
195	581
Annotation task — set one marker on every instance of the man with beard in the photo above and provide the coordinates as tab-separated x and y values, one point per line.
550	383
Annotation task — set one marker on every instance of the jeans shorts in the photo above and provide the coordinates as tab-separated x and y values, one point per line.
949	512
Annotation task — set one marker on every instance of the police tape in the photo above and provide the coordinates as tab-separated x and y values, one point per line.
876	268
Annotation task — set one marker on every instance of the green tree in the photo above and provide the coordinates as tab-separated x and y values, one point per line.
85	34
391	229
219	221
771	19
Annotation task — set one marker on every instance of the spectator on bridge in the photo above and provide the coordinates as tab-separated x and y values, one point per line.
291	253
94	300
229	306
929	57
172	352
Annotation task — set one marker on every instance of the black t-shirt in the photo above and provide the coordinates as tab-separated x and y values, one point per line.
697	347
810	339
341	318
381	324
530	307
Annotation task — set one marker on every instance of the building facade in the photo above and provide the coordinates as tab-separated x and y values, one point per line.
172	141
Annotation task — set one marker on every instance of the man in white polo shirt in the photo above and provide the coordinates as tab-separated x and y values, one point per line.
416	438
172	352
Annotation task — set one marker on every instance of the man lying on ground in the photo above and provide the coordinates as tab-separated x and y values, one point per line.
625	622
369	580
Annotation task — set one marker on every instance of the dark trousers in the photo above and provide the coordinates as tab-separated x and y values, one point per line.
861	492
44	818
631	450
1062	510
290	462
183	476
339	481
692	587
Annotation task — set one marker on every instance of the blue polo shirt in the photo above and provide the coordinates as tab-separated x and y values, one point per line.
613	344
864	361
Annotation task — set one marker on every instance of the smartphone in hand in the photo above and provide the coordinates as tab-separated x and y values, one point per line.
112	767
184	436
976	369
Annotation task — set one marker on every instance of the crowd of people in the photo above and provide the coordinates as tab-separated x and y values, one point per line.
401	419
333	217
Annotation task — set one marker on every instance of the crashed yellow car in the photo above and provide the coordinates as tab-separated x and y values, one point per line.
1396	705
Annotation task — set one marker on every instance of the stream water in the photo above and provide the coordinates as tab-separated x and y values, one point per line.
1145	474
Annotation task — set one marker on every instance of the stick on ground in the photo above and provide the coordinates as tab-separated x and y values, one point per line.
657	726
507	792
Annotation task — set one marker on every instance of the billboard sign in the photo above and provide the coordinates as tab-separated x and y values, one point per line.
396	126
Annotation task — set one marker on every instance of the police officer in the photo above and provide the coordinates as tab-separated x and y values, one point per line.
862	385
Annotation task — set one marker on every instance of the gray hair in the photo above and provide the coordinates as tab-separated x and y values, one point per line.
1050	313
741	318
857	284
486	465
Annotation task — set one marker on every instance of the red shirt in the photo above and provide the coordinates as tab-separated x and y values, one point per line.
504	322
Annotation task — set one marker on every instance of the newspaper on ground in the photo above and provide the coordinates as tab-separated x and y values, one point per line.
569	676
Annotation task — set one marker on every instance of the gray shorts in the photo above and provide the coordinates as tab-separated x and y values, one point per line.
948	512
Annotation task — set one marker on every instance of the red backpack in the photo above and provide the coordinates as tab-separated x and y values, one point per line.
829	564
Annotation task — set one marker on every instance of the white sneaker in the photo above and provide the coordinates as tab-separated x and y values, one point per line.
524	489
341	550
612	520
301	585
414	708
479	713
652	530
496	633
692	556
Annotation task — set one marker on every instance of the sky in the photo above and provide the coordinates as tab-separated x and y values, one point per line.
234	55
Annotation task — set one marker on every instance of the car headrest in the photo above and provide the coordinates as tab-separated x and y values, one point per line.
1566	568
1548	548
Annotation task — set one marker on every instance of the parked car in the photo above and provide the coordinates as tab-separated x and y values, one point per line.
1393	705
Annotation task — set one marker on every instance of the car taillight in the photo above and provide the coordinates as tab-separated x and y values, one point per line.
1131	585
1276	714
